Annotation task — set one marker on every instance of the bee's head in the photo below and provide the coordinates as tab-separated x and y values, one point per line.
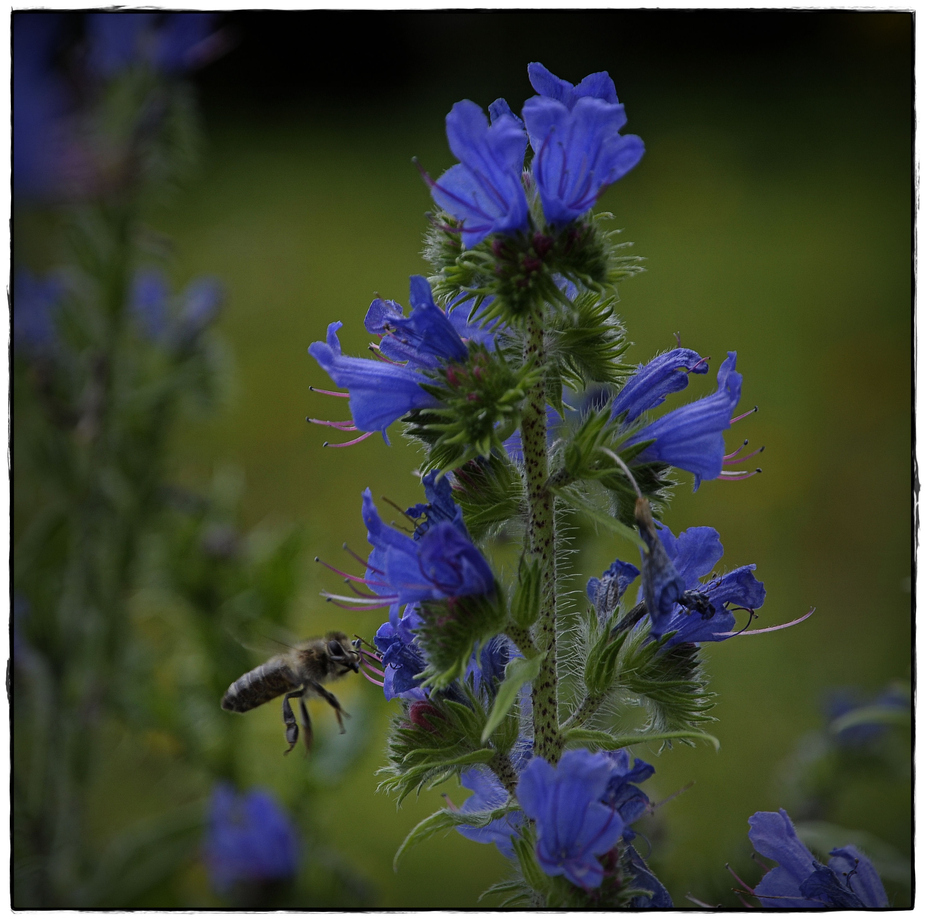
341	652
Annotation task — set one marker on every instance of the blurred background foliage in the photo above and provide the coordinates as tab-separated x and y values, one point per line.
774	208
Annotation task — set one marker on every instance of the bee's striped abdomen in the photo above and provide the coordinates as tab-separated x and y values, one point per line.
260	685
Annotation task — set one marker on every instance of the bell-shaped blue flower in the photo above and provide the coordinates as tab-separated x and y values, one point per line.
575	135
621	794
642	878
440	565
402	658
573	826
249	839
605	592
849	881
485	189
380	393
677	596
424	338
651	383
489	794
691	437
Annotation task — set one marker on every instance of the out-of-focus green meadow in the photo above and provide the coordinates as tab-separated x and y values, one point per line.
774	209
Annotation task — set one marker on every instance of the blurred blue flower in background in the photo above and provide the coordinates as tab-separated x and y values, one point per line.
575	135
36	300
877	714
40	103
171	43
249	839
849	881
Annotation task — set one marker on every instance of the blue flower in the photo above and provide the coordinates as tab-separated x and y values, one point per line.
651	383
249	839
605	592
675	597
849	881
402	657
201	302
381	392
622	794
489	795
642	878
573	826
440	505
442	564
485	189
486	668
575	134
691	437
36	301
148	303
423	339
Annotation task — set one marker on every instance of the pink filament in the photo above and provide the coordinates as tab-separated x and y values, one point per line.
349	443
329	392
773	628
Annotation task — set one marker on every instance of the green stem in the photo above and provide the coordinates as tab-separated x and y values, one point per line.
541	543
503	768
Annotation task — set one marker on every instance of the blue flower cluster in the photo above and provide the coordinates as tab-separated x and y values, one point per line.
578	151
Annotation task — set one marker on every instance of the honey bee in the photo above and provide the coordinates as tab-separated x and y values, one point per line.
298	673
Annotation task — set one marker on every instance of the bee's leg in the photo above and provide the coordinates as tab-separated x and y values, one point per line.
309	735
292	729
331	699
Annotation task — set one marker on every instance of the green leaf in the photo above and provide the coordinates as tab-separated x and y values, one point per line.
447	820
616	742
518	671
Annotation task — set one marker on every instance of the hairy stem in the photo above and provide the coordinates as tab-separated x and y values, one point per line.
541	543
503	768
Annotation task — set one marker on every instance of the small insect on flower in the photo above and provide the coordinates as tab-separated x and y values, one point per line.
297	674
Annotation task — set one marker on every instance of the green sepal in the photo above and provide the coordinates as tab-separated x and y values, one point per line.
528	593
443	743
451	629
479	407
525	849
490	492
447	819
587	341
671	681
519	671
604	741
601	662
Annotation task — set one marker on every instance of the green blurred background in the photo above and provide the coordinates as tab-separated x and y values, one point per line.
774	208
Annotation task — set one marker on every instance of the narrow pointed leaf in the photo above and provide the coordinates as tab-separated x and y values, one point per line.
518	671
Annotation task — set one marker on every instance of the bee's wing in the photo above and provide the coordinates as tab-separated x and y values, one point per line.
264	638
